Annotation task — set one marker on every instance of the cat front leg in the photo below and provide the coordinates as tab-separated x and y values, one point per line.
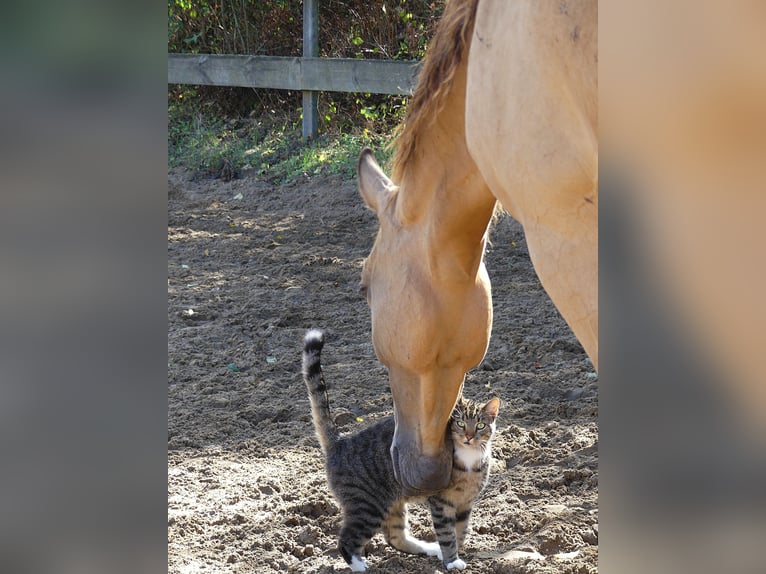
462	516
443	514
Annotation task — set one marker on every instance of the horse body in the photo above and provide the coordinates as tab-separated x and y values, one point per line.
532	129
473	135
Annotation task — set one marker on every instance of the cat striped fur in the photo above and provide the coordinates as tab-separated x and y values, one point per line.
361	475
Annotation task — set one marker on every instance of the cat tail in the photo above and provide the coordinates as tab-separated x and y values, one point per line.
314	379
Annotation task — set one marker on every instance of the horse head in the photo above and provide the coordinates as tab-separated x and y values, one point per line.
430	302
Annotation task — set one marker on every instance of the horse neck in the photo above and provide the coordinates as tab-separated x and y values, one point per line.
457	229
443	194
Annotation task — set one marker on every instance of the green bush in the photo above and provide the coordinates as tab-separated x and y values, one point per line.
211	128
270	145
390	29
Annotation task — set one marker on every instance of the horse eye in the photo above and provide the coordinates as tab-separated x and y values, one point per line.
480	426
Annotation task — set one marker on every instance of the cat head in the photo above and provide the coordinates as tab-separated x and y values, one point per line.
473	424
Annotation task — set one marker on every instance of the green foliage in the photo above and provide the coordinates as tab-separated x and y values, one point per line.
226	131
384	29
270	145
243	27
336	153
392	29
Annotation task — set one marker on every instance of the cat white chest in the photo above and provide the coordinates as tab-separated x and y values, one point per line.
469	457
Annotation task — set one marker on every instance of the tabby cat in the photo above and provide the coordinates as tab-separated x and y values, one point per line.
361	474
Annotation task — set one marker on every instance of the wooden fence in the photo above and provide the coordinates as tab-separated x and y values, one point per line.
308	74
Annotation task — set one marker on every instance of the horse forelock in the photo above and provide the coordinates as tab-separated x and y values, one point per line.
445	52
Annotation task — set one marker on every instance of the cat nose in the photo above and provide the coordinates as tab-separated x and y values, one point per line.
469	435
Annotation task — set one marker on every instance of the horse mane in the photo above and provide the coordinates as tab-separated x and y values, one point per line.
444	54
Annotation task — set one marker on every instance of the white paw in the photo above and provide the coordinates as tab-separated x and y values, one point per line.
359	565
456	565
431	549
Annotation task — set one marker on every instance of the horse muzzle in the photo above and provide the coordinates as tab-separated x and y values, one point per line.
419	473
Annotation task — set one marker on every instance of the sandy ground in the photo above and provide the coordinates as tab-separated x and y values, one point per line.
251	266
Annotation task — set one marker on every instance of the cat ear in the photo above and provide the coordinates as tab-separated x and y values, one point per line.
491	407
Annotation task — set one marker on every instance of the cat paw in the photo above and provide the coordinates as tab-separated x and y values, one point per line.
359	565
456	565
431	549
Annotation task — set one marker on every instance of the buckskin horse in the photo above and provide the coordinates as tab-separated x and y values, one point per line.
504	111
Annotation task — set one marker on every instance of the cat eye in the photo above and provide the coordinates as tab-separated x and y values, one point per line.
480	426
461	424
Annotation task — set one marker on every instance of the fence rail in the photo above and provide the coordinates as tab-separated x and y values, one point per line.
308	74
302	74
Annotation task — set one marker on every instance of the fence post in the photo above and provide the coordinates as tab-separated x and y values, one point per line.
310	50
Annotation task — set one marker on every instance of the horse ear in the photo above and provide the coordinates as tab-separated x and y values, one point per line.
374	186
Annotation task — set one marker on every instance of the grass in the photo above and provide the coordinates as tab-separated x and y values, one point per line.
270	146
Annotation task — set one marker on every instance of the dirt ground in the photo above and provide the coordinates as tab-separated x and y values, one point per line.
251	266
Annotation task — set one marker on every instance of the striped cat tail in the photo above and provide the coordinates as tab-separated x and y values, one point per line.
320	404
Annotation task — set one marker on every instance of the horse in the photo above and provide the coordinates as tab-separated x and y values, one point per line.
504	113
